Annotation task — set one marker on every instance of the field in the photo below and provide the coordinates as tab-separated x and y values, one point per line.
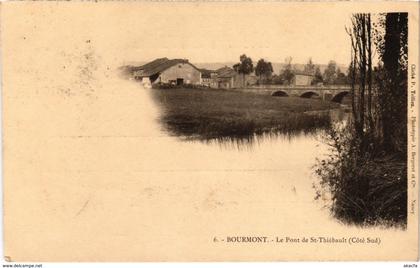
214	113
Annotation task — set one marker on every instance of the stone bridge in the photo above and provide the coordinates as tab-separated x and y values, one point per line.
329	93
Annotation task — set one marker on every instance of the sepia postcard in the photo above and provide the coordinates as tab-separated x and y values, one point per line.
140	131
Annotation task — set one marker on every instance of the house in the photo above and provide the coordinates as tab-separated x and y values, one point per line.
168	71
181	71
303	78
227	78
209	78
251	79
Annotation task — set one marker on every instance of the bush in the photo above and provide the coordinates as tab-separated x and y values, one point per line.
366	188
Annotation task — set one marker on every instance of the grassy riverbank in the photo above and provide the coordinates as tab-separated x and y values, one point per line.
367	187
213	113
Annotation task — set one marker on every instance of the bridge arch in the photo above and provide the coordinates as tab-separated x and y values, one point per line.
279	93
340	96
309	95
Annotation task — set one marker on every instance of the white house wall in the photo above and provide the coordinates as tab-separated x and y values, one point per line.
303	80
181	71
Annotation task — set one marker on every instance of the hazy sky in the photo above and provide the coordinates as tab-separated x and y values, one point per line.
201	32
121	32
208	32
214	33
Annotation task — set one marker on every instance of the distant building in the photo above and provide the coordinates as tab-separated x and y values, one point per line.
303	78
251	79
229	78
180	71
209	78
226	77
164	70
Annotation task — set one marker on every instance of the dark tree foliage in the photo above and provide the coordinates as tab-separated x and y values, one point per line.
244	67
361	79
287	74
366	172
310	66
341	78
392	81
317	77
333	75
264	69
276	80
330	73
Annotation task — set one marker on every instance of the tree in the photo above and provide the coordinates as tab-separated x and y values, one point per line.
244	67
392	81
367	173
341	78
310	66
287	74
330	74
276	80
318	76
263	69
361	79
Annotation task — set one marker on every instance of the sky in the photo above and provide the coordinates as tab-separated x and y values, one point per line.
205	32
216	33
209	32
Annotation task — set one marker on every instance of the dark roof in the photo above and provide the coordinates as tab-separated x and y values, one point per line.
225	72
151	64
159	65
206	73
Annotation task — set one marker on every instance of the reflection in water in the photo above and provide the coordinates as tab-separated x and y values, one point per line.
203	129
282	134
224	115
256	140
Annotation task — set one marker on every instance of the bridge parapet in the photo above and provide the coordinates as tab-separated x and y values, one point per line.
292	87
332	92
